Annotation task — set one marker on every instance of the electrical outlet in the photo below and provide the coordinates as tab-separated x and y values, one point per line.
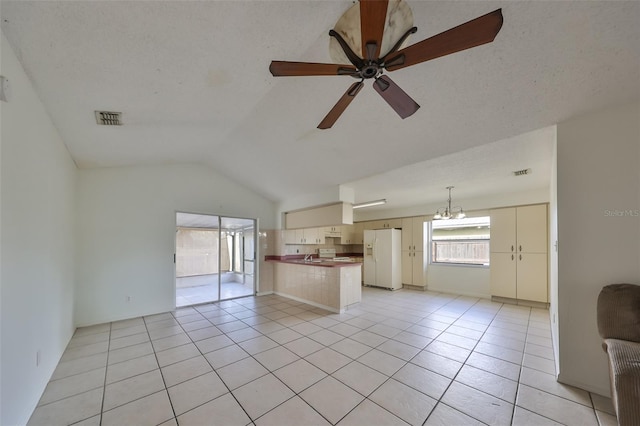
128	298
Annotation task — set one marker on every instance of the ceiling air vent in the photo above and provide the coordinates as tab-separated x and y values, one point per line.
109	118
522	172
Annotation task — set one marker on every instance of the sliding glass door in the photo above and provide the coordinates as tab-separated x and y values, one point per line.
215	258
239	279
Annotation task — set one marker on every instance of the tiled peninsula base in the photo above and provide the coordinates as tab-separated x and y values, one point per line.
328	287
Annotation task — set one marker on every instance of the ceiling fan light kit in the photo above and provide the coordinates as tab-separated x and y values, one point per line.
374	27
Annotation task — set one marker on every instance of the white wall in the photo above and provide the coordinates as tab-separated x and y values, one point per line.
598	159
553	253
126	233
37	246
465	280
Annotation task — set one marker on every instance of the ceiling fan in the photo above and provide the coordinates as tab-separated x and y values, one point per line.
371	63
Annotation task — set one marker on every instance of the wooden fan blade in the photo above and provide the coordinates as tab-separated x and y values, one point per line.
290	69
474	33
340	106
395	96
372	17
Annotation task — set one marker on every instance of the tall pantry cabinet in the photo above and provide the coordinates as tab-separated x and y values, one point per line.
413	251
519	258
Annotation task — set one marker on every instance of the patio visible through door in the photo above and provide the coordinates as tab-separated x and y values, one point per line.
215	258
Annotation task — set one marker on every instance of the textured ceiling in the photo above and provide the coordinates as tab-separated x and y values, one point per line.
192	81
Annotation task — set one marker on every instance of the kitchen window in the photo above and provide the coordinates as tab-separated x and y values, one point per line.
460	241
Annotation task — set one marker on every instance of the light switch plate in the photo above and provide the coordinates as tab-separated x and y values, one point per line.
5	89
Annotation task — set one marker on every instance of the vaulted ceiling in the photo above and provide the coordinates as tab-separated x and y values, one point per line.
192	81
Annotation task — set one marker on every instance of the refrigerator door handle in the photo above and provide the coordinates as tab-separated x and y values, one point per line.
373	249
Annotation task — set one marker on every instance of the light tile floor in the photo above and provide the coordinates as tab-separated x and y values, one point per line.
204	289
398	358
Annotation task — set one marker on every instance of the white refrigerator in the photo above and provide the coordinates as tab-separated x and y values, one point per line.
382	257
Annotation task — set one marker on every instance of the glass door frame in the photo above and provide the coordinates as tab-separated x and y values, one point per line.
220	229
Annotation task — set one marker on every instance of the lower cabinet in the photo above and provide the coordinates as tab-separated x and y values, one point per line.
519	276
413	268
531	277
503	274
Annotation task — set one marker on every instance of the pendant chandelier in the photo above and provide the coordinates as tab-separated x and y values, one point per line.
448	211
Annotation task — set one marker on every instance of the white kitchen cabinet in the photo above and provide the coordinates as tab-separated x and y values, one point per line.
503	274
383	224
503	230
358	233
300	236
313	236
387	223
532	277
519	259
289	236
413	251
304	236
368	225
332	231
347	234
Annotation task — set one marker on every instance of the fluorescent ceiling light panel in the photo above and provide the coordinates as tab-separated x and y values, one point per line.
370	204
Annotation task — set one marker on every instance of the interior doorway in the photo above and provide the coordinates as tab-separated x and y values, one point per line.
215	258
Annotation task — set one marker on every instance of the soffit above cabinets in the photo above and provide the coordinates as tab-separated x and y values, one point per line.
314	217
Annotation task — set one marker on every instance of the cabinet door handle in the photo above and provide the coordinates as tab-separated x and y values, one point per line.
520	257
511	248
511	257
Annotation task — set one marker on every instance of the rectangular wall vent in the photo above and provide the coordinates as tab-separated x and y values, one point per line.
522	172
109	118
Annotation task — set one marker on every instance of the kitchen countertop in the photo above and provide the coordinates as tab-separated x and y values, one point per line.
315	261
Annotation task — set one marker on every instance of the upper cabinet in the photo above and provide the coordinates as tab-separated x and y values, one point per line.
519	229
347	235
289	236
384	224
531	229
413	233
332	231
358	233
304	236
503	230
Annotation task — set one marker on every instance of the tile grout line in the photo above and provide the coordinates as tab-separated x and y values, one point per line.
452	316
439	400
302	358
297	394
522	366
106	369
526	338
365	397
208	362
155	355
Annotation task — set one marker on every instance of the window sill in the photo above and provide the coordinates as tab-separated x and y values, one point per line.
460	265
